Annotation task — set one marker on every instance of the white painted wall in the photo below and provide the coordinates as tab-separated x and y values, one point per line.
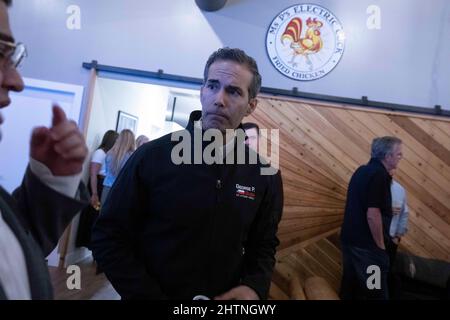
147	102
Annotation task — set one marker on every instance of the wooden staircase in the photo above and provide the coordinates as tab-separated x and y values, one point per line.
318	259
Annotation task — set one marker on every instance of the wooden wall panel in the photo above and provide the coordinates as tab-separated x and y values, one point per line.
320	147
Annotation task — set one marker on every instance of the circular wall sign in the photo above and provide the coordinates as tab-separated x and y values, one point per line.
305	42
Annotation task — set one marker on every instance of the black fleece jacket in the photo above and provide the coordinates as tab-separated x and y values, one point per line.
172	231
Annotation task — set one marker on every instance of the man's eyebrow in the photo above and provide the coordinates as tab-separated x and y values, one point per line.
235	88
7	38
232	87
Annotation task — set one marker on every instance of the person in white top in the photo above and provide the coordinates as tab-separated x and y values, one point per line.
95	184
34	217
398	229
400	212
97	167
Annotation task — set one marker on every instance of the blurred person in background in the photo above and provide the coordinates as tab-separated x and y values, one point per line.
116	158
141	140
95	186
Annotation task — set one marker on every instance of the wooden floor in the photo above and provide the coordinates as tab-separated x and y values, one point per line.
93	287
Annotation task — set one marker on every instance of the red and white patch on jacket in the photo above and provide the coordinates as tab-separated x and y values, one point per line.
245	192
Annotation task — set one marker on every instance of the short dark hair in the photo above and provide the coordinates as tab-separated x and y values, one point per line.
382	146
239	56
7	2
250	125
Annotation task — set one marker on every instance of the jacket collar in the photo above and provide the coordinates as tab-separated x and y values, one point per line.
197	116
195	123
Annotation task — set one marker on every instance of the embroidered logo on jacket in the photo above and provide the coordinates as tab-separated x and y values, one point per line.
245	192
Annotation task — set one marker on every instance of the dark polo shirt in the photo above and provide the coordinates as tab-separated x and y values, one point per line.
369	187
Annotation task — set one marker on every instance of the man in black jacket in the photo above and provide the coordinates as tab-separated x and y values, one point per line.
176	230
34	217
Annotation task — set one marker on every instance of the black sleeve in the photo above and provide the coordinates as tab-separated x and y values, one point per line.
376	191
262	240
115	233
45	212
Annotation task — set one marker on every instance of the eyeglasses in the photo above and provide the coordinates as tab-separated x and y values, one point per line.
14	53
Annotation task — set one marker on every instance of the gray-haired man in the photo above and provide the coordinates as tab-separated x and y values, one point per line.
367	218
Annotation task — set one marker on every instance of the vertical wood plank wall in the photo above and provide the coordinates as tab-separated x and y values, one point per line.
320	147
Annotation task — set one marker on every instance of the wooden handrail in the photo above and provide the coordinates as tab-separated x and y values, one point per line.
296	291
317	288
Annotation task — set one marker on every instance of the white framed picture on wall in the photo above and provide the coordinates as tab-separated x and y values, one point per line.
126	121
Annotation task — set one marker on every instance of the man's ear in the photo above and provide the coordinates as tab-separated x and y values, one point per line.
251	106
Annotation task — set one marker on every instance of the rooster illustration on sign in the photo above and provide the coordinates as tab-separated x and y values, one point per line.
311	43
